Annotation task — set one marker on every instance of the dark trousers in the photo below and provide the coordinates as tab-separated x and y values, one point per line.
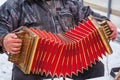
96	70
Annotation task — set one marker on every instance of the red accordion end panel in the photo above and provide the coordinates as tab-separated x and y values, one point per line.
62	54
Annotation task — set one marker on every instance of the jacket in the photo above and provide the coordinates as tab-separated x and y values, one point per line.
37	13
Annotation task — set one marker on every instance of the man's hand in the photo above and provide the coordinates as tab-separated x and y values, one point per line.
12	43
113	36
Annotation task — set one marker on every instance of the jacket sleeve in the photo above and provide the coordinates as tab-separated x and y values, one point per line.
8	19
81	12
88	11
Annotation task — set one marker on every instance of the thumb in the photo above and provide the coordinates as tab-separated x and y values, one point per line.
13	35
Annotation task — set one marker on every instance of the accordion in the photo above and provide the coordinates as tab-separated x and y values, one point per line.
65	53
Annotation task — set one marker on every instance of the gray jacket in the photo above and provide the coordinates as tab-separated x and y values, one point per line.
37	13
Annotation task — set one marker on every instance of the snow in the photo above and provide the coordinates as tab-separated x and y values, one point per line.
5	67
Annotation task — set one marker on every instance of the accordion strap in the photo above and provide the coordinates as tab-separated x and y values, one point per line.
16	30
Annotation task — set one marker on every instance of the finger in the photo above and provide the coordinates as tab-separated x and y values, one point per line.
13	35
15	49
16	40
13	52
8	39
16	45
113	36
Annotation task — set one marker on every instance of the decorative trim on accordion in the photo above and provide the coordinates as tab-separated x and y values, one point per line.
62	54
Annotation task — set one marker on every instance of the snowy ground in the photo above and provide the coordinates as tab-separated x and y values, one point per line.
110	62
5	68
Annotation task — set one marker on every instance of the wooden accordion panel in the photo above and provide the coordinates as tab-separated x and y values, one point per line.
62	54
